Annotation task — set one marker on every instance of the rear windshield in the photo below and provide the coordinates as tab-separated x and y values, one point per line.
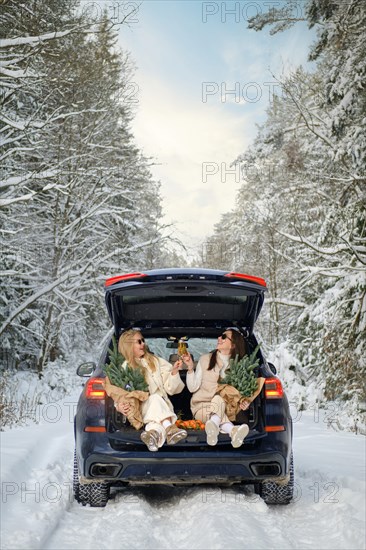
196	347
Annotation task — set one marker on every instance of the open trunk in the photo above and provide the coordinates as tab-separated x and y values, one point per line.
123	436
189	303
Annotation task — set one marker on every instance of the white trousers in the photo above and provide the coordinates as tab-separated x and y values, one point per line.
154	410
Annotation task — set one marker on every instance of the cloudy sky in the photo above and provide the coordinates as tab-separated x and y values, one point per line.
202	83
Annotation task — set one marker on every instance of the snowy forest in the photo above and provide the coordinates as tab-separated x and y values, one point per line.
299	218
78	198
79	201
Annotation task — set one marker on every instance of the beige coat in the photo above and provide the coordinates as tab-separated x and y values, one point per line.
209	397
161	383
203	384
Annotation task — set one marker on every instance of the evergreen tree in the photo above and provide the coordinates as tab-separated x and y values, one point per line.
75	184
300	212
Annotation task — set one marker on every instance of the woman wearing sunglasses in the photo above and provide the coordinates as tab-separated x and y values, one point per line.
163	379
206	405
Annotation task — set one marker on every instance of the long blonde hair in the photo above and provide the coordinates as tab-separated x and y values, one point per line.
125	346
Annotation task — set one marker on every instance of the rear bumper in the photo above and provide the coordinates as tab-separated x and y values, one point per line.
121	458
182	466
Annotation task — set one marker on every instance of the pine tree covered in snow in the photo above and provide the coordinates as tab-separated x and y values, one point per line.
78	200
300	213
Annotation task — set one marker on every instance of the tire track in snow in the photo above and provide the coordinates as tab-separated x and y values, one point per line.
36	474
326	513
210	517
183	518
164	518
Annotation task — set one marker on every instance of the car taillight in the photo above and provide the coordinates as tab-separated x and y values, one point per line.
273	388
250	278
95	388
126	277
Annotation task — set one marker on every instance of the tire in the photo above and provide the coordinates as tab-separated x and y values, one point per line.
95	494
79	492
98	494
274	493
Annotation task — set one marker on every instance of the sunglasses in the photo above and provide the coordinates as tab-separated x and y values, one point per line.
224	336
139	341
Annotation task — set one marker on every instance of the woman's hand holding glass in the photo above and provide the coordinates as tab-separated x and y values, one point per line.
188	361
176	367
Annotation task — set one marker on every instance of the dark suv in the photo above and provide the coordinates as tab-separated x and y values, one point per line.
197	305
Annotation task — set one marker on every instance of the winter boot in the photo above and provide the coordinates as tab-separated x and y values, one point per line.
174	434
212	432
151	439
238	434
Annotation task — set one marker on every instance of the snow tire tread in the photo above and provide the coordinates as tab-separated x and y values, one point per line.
274	493
95	494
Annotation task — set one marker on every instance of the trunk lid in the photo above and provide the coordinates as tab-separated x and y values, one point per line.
198	301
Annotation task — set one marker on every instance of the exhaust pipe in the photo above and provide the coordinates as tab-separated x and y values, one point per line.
105	470
266	469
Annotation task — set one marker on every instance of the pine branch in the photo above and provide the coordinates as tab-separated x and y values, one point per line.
128	378
240	374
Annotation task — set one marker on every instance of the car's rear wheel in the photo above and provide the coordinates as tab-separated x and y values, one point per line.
276	493
95	494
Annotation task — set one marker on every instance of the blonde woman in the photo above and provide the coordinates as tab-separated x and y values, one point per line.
163	379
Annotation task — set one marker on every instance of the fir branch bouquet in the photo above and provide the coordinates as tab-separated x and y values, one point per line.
127	378
240	374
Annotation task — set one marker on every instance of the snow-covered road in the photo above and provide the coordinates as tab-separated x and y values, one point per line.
38	510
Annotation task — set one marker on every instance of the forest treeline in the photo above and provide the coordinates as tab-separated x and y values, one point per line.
299	217
78	201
